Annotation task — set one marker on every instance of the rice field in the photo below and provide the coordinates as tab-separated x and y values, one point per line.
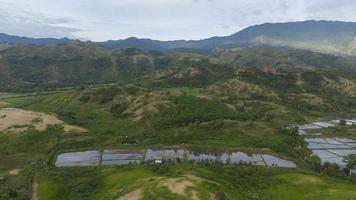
127	157
328	149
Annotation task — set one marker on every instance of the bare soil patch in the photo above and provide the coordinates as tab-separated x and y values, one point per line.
146	104
195	195
14	172
308	179
184	186
2	103
20	120
212	196
134	195
73	129
17	120
178	185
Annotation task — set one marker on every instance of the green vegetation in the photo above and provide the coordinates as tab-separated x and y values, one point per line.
231	182
240	100
302	186
27	152
190	109
26	68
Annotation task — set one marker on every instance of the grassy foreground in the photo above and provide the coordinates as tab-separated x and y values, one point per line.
191	181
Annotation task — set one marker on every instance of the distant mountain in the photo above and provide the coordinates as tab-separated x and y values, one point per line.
323	36
333	37
10	39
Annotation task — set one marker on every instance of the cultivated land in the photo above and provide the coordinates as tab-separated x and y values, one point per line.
239	101
170	181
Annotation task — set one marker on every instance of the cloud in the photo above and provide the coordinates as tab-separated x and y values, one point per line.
14	20
159	19
329	5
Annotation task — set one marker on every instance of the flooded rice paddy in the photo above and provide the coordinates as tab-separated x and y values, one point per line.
331	150
127	157
84	158
121	157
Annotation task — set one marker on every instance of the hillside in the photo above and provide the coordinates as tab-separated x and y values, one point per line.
322	36
30	68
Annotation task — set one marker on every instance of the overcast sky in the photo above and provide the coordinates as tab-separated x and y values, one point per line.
100	20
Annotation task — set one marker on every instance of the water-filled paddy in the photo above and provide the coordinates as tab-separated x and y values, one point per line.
255	159
324	154
331	150
85	158
127	157
122	157
200	156
170	154
274	161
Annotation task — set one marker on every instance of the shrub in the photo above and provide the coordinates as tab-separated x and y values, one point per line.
118	109
189	109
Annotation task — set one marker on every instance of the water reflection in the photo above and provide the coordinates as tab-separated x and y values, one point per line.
127	157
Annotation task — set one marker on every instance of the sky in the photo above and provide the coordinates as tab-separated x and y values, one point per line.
101	20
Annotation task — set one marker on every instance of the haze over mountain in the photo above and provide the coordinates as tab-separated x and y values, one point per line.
334	37
11	39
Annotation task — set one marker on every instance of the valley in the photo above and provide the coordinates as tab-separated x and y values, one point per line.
252	116
130	118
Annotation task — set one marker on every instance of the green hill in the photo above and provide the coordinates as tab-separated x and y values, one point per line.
33	68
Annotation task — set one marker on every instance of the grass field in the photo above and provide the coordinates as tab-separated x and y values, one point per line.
302	186
191	181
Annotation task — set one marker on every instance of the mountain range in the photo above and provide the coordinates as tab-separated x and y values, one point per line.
333	37
30	67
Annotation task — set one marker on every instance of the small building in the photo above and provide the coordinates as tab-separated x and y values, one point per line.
158	162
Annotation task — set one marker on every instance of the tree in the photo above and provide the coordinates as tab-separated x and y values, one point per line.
351	162
118	110
342	122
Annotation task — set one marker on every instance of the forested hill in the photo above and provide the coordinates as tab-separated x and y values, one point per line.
30	68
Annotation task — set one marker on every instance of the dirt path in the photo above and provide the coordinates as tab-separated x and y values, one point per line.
34	195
